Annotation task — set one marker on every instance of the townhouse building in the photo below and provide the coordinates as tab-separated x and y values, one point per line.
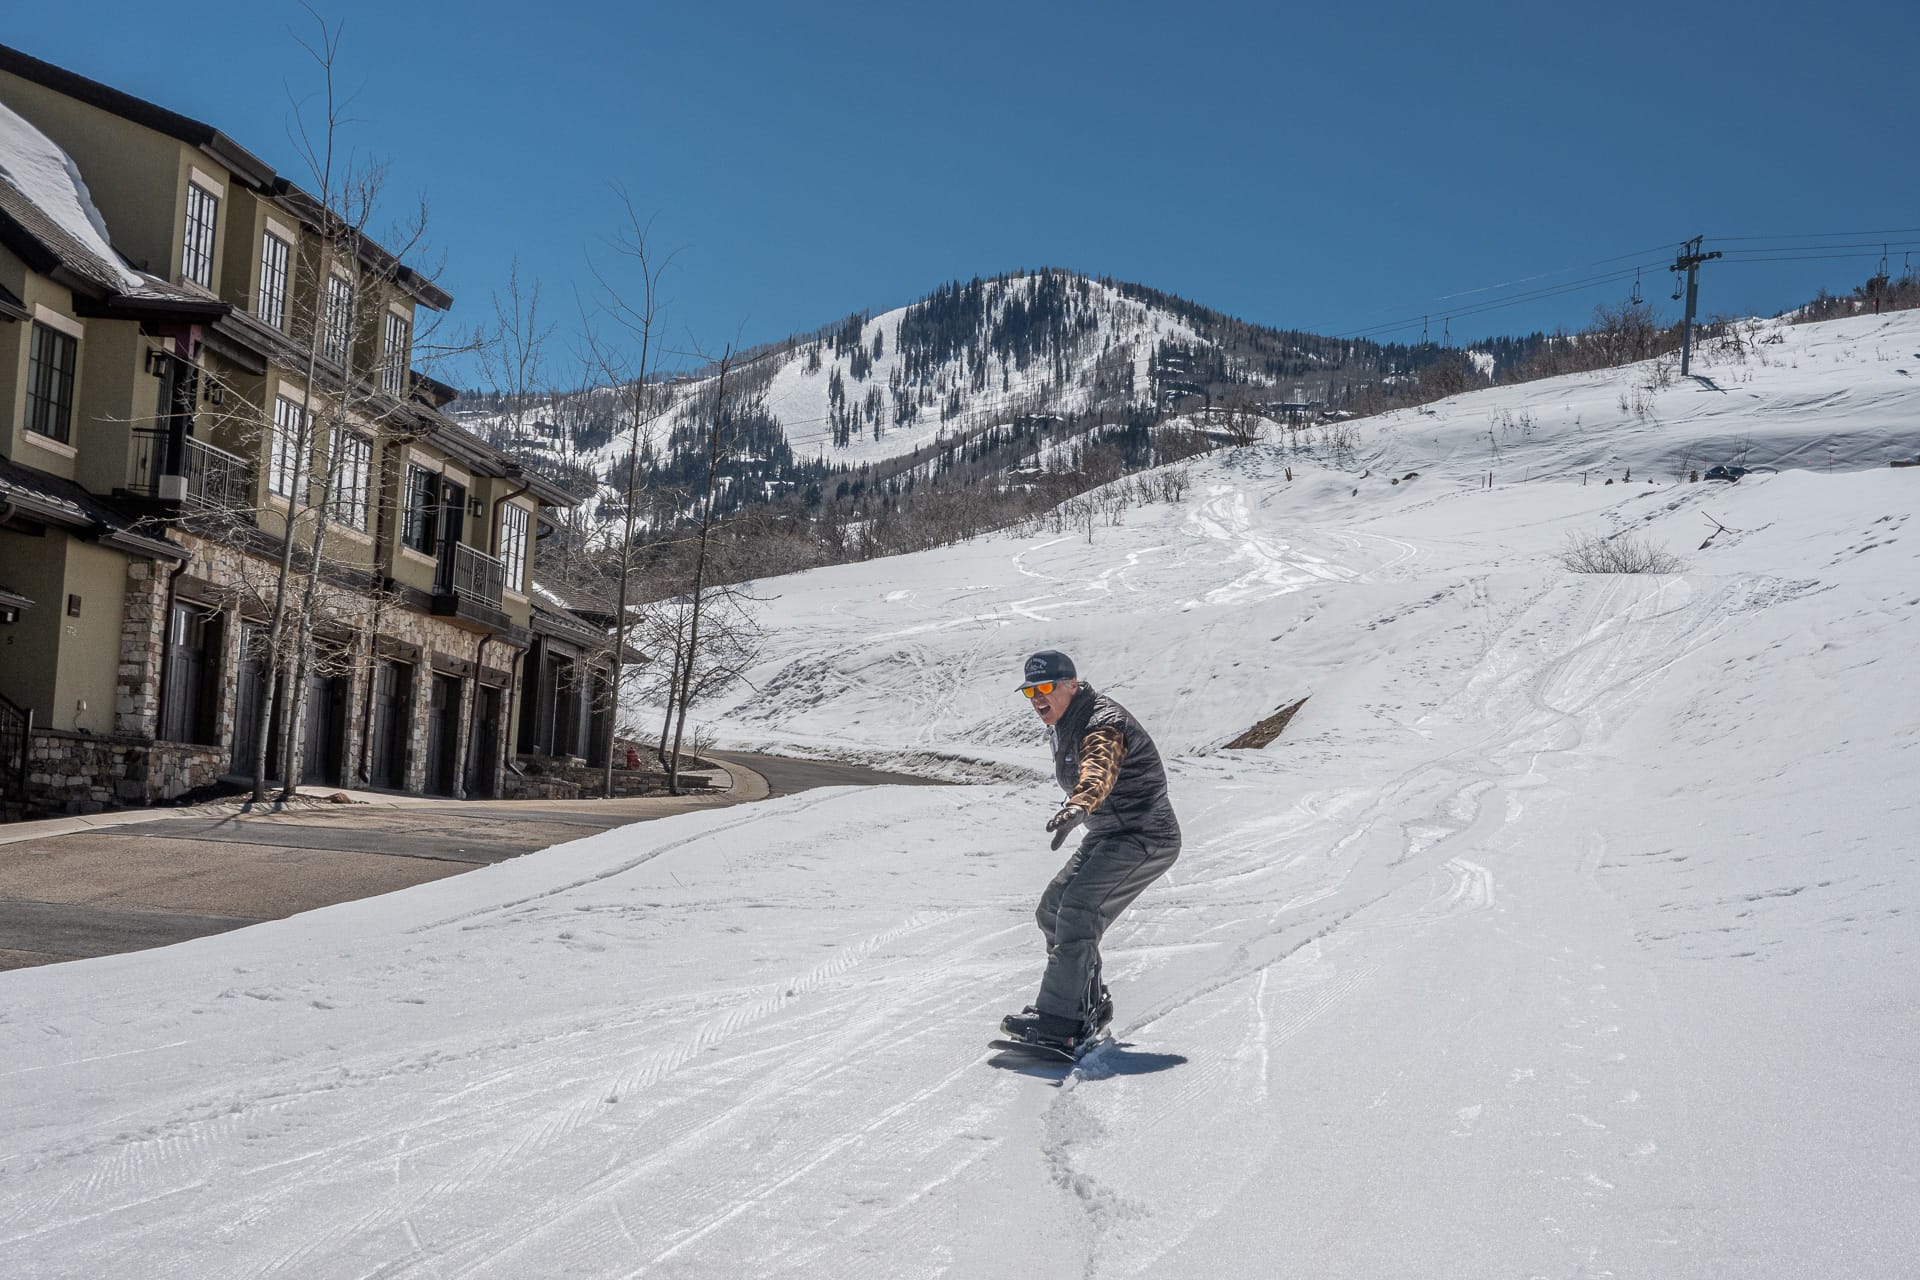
209	420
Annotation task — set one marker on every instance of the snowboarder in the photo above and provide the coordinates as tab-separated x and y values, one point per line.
1117	789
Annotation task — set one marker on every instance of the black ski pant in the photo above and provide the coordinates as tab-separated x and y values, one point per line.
1101	880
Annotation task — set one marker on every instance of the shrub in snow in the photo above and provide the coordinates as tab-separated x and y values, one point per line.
1622	553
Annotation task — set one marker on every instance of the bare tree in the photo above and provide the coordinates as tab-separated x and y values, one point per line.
351	405
639	318
514	356
696	597
1624	333
729	645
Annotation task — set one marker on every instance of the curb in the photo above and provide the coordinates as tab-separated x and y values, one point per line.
15	832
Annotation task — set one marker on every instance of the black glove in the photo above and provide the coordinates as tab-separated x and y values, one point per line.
1069	817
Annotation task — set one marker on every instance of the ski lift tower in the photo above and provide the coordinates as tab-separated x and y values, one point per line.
1689	260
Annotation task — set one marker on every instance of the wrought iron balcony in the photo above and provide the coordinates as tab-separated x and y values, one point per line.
477	575
471	585
201	476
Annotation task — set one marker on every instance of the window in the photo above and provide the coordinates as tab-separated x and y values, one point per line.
422	519
50	383
394	355
284	472
513	545
339	327
352	474
274	253
203	211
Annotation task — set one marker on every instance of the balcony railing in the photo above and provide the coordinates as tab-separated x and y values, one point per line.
202	477
470	586
477	576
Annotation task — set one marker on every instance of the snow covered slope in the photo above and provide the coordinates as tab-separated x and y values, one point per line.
800	396
1568	931
862	394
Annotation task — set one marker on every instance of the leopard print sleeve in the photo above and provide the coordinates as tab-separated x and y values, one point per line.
1101	753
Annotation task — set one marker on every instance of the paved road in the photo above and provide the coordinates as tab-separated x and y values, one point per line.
786	776
101	891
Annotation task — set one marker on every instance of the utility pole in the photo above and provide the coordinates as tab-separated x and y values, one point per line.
1689	260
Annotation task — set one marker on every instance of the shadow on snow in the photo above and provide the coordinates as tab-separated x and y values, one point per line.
1103	1063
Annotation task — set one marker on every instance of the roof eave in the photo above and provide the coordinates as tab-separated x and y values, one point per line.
151	548
236	158
150	310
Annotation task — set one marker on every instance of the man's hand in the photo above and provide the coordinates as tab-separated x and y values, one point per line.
1069	817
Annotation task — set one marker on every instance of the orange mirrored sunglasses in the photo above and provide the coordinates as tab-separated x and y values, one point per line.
1028	690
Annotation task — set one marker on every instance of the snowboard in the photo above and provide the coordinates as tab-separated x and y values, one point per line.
1051	1053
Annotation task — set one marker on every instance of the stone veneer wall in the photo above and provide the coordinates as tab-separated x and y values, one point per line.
82	775
143	638
70	773
425	636
570	778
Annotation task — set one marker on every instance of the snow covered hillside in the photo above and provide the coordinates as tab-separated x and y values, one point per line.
1058	352
1569	930
864	393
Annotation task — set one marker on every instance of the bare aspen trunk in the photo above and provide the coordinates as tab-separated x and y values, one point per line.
699	572
639	322
673	678
620	622
276	633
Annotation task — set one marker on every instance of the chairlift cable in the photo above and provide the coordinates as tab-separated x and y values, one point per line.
1828	235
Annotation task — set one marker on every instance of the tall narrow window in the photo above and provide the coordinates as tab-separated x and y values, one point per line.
339	326
284	470
203	211
513	545
352	477
274	253
50	383
420	529
394	355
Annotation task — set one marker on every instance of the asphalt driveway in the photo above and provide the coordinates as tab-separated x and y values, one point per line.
71	889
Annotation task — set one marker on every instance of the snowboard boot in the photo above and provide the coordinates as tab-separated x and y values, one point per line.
1043	1028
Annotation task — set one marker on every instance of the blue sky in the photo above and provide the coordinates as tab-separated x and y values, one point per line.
1330	167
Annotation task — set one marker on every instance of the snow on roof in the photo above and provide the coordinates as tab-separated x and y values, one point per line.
49	180
541	591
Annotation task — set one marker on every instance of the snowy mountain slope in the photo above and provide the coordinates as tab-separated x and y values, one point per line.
868	358
799	395
871	391
1567	931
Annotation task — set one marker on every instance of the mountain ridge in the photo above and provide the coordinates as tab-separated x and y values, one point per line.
883	391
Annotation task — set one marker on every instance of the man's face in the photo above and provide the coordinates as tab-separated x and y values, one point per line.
1051	706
